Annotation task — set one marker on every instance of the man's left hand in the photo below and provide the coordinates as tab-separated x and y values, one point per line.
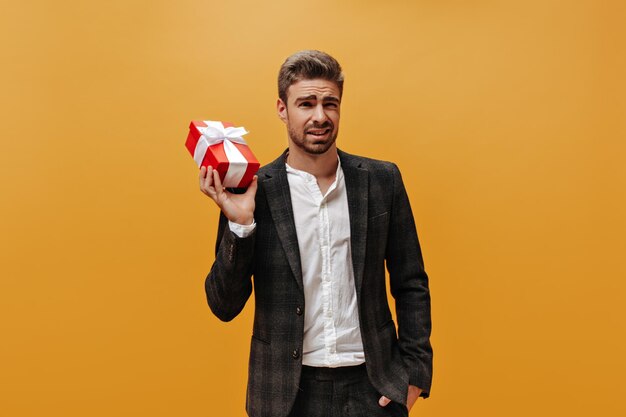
413	395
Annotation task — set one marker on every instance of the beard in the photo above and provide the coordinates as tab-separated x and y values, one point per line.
311	144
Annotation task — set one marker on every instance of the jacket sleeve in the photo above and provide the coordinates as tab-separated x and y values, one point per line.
409	287
229	285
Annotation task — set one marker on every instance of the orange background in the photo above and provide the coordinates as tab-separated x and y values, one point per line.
506	119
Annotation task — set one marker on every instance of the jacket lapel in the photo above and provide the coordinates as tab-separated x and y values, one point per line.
276	188
357	188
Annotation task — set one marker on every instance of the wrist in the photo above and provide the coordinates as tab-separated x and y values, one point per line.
243	220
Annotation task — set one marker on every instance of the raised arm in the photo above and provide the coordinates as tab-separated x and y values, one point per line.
228	285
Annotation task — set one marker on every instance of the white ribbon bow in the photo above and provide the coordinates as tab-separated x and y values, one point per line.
215	133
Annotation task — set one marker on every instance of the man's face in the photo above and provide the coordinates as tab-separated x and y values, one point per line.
311	114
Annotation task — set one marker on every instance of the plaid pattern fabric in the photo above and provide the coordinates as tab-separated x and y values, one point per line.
382	234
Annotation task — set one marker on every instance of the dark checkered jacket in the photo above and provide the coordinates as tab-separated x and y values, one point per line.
382	232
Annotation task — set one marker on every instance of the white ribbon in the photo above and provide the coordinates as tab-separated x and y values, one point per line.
215	133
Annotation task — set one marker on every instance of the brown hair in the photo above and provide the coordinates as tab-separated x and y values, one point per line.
308	65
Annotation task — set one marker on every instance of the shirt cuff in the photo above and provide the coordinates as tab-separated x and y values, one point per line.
242	230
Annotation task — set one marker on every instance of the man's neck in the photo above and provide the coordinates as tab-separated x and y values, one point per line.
322	166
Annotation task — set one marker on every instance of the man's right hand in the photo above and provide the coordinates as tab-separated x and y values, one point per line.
238	208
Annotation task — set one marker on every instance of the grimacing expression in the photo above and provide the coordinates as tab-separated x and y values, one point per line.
312	114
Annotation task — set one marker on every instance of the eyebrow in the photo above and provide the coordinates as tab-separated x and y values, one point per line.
314	97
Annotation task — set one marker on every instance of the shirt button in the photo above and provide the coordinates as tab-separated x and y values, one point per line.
298	311
295	354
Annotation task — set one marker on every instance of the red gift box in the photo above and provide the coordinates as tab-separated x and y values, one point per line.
221	145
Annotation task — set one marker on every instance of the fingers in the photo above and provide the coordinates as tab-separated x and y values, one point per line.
207	180
413	394
211	185
219	189
251	191
383	401
202	175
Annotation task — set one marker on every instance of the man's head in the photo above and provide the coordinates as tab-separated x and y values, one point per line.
308	65
310	86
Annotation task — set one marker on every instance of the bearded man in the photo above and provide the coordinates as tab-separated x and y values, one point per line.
314	231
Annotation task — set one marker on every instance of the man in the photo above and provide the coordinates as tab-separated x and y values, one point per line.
315	228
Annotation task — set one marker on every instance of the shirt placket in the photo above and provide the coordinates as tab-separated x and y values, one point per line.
330	337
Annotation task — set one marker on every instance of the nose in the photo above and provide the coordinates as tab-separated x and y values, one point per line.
319	115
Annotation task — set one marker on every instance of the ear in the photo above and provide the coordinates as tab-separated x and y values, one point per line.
281	109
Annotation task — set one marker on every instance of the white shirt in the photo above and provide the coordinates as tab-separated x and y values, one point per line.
332	336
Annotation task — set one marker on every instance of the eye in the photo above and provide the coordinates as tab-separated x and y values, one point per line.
331	105
306	104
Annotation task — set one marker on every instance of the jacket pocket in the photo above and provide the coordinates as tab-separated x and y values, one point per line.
379	217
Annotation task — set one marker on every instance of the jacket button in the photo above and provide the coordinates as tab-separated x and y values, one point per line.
299	311
295	354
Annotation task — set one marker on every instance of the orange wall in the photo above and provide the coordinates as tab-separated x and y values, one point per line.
506	119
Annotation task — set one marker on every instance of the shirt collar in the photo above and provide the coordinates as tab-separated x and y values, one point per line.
311	178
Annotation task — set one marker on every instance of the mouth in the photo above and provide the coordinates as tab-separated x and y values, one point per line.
318	133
